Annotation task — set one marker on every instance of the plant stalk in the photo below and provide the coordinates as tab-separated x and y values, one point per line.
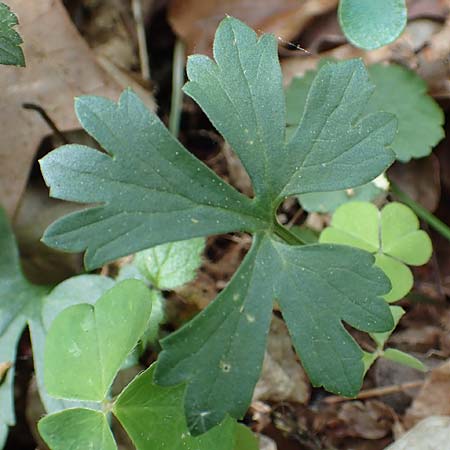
286	235
179	58
423	213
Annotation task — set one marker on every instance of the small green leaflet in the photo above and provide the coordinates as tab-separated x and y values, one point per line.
392	354
370	24
24	304
392	235
149	190
399	91
79	363
153	416
10	51
171	265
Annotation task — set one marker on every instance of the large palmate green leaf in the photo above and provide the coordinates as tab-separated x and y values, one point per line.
370	24
227	340
143	409
148	190
10	41
392	235
399	91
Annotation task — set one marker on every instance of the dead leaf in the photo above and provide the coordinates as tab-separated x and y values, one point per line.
4	367
369	420
283	378
430	434
60	66
433	398
195	21
420	179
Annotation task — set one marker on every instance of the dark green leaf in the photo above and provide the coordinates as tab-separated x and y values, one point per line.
151	190
10	41
317	287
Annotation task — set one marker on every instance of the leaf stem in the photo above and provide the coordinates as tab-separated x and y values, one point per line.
179	58
423	213
286	235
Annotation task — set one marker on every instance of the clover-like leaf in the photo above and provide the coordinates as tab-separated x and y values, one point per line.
227	339
149	190
79	363
399	91
171	265
392	235
10	51
371	24
77	429
153	416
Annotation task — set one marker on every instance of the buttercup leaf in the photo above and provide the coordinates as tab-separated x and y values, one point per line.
149	190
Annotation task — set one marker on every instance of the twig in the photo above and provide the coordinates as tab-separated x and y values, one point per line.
179	58
376	392
47	119
142	39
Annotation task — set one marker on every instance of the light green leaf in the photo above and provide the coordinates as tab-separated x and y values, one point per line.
371	24
245	439
153	417
86	345
403	358
171	265
10	41
330	284
77	429
399	91
393	235
324	202
149	190
381	338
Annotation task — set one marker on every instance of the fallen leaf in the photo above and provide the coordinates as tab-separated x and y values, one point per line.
420	179
195	21
4	367
432	433
60	66
369	420
433	399
283	378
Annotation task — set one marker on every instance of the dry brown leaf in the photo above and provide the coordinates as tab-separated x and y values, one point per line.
60	66
433	398
283	378
369	420
4	367
420	179
195	21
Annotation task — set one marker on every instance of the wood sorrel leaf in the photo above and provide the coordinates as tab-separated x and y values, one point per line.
10	51
77	429
393	235
153	416
86	344
149	190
